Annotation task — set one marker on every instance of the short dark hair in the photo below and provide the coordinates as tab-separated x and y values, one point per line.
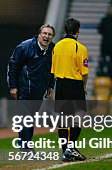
72	26
46	25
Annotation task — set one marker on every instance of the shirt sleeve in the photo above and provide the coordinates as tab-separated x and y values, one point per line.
84	61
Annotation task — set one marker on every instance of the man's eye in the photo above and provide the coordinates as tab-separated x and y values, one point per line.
50	34
45	33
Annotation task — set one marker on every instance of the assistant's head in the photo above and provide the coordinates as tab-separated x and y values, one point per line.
72	27
45	35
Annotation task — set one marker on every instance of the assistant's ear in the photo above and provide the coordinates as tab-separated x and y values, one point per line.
76	35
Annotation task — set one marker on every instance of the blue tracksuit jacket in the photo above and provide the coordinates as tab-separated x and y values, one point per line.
29	70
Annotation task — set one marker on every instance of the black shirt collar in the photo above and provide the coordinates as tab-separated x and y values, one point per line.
70	36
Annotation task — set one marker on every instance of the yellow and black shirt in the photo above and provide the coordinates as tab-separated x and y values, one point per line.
70	59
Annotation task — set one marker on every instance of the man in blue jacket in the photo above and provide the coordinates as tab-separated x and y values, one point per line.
29	70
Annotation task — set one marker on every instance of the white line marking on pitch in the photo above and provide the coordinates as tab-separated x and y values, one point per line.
77	162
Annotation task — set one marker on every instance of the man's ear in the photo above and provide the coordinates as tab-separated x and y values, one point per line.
38	35
76	35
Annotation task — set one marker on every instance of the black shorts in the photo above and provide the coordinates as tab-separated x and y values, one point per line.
68	89
69	96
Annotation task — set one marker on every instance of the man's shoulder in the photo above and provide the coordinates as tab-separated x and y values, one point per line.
28	42
60	42
26	46
81	45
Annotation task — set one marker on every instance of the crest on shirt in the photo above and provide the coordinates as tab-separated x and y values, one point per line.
85	62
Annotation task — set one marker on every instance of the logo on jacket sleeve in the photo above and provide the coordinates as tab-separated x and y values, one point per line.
85	62
35	56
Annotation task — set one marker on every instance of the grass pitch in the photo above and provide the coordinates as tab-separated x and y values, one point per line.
106	164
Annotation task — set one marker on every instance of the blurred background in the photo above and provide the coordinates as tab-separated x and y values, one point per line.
20	20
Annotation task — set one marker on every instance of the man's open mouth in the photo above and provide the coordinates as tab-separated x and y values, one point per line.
46	40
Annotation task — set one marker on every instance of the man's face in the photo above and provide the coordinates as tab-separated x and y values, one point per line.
45	37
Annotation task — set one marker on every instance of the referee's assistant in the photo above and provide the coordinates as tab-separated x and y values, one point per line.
70	67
